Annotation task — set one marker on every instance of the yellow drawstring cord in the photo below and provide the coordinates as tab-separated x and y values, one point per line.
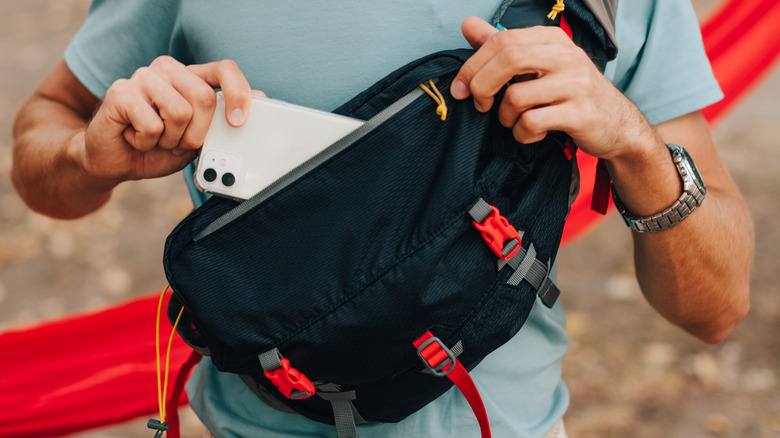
558	8
162	388
438	98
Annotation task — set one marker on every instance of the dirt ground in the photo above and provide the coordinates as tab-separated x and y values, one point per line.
631	374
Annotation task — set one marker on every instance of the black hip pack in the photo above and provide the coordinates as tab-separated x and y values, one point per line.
368	281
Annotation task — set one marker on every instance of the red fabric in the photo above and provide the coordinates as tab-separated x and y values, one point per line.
742	39
83	372
99	369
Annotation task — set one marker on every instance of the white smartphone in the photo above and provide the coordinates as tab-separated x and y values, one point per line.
276	137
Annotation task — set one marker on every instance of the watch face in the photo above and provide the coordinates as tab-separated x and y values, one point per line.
697	176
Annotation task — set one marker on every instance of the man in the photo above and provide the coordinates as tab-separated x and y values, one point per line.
134	97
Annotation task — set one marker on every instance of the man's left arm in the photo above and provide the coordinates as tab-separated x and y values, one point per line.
695	274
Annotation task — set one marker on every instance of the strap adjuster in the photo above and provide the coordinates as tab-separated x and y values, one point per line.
435	355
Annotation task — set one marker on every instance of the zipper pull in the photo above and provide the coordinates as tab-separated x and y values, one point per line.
558	8
437	97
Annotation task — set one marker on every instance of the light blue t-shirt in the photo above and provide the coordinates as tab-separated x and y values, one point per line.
319	54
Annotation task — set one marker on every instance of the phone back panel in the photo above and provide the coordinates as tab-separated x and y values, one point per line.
276	138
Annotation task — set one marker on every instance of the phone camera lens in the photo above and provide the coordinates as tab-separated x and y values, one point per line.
228	179
210	175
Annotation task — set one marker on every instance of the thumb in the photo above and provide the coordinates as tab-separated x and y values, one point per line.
477	31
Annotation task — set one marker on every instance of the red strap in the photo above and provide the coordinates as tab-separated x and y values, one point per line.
568	148
461	378
433	354
565	26
178	389
601	188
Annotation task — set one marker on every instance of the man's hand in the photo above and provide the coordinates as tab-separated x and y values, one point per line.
563	90
683	272
71	150
152	124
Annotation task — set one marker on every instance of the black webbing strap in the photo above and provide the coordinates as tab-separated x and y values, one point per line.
524	263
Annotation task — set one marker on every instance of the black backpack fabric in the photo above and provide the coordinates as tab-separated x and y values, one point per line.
338	268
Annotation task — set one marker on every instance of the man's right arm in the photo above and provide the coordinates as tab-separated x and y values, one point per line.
71	149
48	128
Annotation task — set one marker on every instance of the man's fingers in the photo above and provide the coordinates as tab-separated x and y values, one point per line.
505	45
516	63
127	104
183	100
174	109
477	31
227	76
523	96
486	76
199	95
534	124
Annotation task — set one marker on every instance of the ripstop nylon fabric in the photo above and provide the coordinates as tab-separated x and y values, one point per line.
396	251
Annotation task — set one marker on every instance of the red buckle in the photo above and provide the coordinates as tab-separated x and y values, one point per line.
287	379
496	231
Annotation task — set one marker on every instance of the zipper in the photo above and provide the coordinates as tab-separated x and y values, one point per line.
310	164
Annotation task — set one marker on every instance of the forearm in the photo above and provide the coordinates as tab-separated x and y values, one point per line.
696	274
47	171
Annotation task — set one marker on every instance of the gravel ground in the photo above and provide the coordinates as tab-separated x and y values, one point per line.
630	372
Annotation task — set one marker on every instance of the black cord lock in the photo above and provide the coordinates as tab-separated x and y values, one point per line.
158	426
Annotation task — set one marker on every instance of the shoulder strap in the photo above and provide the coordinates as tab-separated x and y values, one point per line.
605	12
592	22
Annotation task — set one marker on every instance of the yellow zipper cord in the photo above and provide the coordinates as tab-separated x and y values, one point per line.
437	97
558	8
162	388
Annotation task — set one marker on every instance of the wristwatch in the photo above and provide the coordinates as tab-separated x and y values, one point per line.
692	197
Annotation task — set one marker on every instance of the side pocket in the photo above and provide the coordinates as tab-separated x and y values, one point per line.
186	327
310	164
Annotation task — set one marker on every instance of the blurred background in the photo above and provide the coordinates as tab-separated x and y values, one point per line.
630	372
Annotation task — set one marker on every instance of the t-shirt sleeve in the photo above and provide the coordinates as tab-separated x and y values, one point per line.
117	38
662	67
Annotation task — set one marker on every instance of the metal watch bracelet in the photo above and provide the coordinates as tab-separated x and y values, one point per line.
692	196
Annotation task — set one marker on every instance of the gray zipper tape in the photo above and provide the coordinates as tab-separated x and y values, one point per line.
310	164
